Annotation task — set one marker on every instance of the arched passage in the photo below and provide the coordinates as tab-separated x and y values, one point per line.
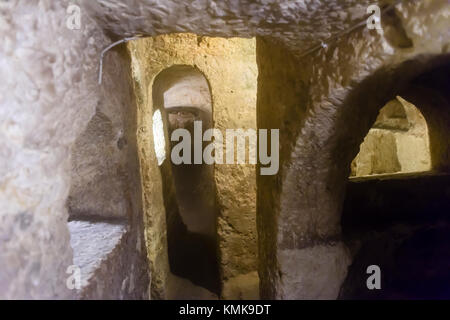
400	222
309	228
182	95
233	101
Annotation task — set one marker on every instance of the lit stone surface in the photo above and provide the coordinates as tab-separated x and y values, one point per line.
158	134
397	143
92	242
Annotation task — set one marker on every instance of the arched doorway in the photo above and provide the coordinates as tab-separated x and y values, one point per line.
182	96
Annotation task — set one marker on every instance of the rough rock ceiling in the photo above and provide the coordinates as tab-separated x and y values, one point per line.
297	23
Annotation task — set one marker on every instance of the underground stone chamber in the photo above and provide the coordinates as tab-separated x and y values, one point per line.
86	181
180	92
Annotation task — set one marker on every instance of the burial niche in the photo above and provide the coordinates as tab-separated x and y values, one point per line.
397	143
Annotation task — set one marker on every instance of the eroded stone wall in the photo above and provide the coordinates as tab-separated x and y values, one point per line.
44	107
99	156
50	95
105	191
230	69
281	104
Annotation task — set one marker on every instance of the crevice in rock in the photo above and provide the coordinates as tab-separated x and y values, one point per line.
394	32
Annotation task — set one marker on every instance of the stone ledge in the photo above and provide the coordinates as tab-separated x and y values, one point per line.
92	242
